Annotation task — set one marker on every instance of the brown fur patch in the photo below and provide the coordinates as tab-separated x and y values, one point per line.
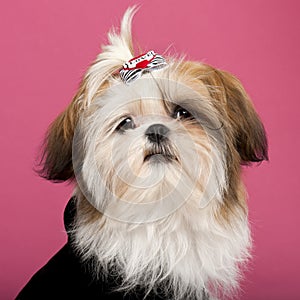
56	161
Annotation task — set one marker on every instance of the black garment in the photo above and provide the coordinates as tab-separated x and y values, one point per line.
66	277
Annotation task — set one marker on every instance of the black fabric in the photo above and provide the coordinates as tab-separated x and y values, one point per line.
66	277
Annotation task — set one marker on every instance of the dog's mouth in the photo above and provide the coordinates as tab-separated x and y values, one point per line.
159	154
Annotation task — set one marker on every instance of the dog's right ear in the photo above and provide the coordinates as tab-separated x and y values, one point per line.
56	159
247	131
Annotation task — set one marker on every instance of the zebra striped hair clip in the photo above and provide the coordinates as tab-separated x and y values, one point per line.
137	66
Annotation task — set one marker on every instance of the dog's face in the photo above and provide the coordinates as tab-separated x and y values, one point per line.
149	147
157	168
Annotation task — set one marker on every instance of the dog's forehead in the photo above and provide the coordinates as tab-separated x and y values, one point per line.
141	89
152	88
144	96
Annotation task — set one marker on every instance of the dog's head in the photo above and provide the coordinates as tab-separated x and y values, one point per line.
187	115
174	139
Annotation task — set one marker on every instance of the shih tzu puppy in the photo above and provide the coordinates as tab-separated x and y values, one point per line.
154	146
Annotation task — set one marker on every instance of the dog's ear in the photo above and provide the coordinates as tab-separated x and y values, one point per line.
56	160
248	131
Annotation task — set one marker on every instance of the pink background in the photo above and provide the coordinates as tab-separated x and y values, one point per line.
46	47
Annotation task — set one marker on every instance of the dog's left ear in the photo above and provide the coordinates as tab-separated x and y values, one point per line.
56	161
250	136
248	131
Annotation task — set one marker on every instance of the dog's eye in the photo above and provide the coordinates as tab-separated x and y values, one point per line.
181	113
126	124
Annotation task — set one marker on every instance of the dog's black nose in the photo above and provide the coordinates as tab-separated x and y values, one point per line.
157	133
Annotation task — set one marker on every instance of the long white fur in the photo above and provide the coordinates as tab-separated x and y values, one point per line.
188	249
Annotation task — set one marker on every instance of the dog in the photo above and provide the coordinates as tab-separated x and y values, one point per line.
154	146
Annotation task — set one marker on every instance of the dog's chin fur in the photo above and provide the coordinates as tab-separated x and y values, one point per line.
174	223
180	255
